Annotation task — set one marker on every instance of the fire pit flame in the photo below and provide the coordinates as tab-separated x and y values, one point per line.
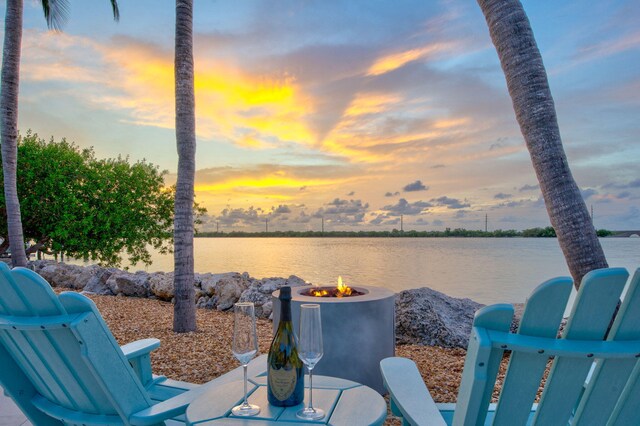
341	290
318	292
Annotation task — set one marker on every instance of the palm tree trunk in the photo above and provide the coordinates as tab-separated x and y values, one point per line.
184	313
535	111
9	107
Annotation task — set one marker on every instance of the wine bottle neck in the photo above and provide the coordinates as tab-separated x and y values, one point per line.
285	310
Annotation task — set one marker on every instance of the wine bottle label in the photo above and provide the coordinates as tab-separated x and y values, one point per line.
282	382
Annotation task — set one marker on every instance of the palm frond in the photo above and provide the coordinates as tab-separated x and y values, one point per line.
116	11
56	12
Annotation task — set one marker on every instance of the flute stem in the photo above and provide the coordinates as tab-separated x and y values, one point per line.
311	389
245	403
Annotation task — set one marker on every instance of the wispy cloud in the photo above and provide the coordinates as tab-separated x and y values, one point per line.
502	196
403	207
396	60
608	47
415	186
528	187
451	203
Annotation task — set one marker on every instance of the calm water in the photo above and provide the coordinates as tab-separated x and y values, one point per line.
484	269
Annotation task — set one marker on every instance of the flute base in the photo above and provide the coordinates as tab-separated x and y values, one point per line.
245	410
310	414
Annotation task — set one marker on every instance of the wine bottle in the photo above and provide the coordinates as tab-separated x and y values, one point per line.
285	377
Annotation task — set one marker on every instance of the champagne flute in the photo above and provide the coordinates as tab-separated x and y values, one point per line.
310	352
245	347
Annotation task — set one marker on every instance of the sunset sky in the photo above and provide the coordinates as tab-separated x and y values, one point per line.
355	111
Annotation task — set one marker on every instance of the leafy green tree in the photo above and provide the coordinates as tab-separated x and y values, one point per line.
604	233
55	12
90	208
547	232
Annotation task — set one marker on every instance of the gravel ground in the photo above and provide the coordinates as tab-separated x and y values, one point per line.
205	354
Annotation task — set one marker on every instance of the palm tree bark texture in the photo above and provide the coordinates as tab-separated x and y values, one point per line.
9	107
528	86
55	13
184	313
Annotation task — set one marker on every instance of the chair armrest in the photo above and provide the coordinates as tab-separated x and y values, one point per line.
178	404
137	353
408	395
139	347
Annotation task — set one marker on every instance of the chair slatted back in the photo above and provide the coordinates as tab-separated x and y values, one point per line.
481	366
541	317
610	377
589	319
64	348
613	391
626	410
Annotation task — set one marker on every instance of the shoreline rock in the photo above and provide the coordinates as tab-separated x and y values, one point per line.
423	316
426	316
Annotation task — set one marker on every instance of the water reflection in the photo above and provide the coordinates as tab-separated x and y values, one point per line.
483	269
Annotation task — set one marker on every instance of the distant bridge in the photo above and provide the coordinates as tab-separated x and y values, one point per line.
625	234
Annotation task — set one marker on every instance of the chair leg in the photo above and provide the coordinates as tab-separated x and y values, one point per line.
394	408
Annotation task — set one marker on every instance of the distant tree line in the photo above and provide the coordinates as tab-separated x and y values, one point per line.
547	232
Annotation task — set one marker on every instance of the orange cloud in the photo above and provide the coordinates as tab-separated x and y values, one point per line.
271	182
394	61
362	129
451	123
264	190
371	104
245	109
252	111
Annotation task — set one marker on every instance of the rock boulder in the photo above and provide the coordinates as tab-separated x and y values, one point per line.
97	283
128	284
211	283
228	292
259	292
428	317
63	275
220	291
161	285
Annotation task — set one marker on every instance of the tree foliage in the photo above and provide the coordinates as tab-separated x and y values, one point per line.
547	232
90	208
604	232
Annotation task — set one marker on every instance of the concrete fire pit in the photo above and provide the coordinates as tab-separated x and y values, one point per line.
357	331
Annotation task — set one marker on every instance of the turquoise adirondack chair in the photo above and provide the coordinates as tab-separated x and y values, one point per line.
591	382
61	365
